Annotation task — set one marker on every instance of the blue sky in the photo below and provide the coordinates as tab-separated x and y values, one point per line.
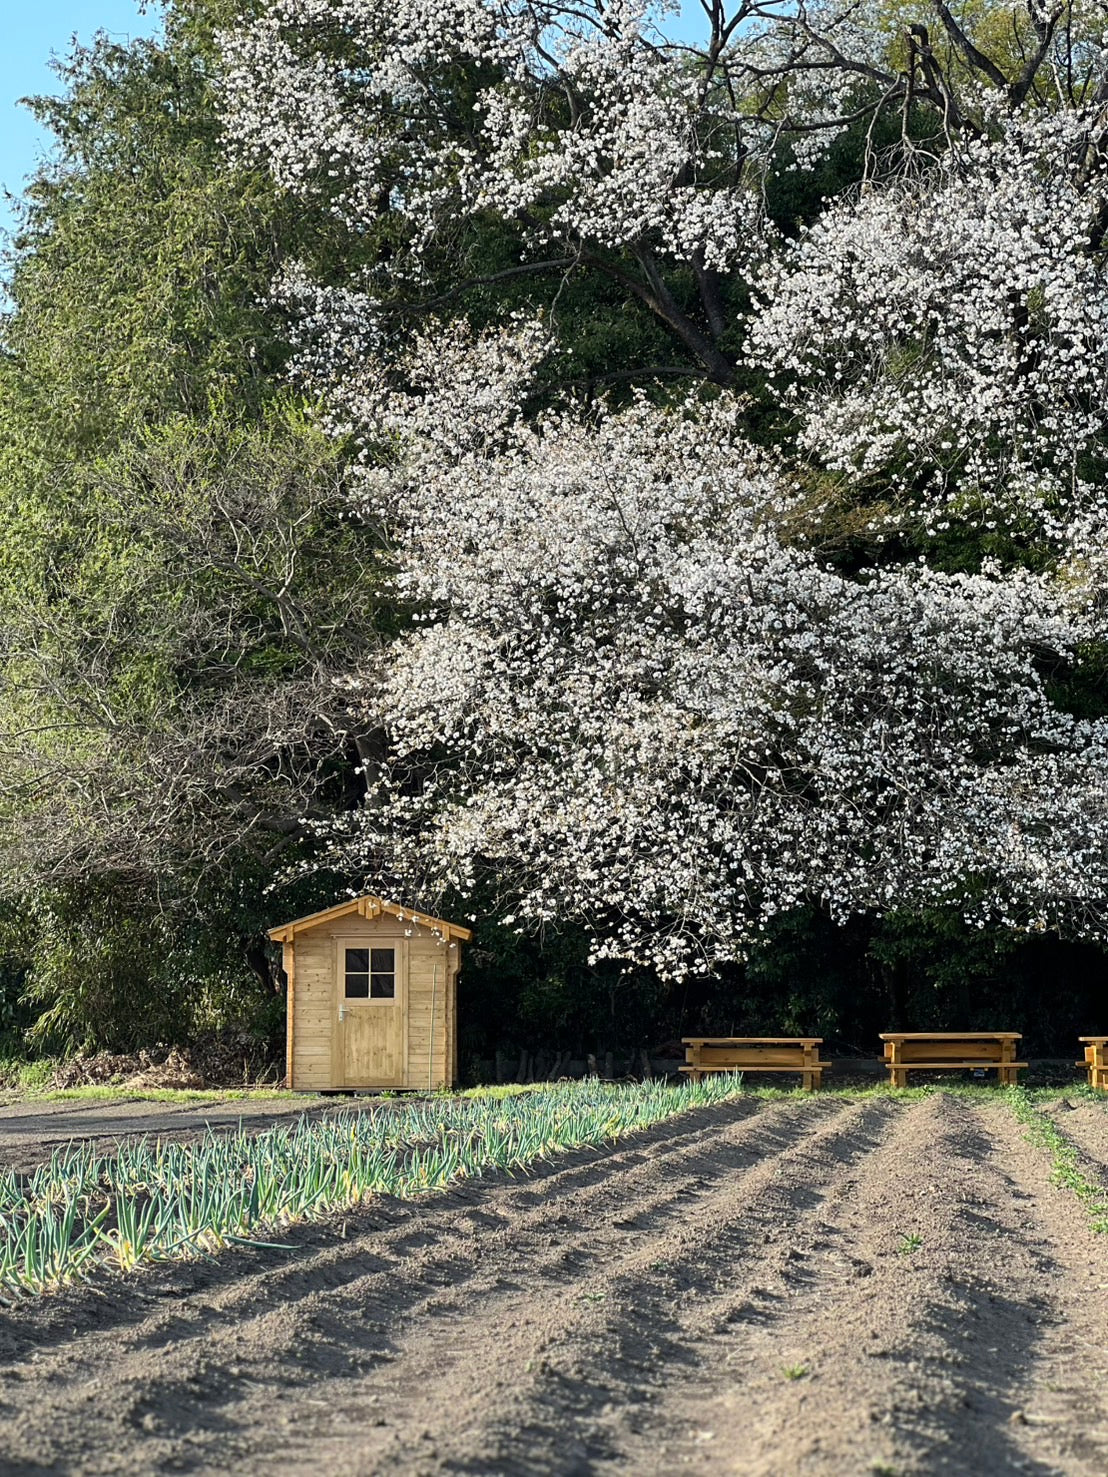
34	32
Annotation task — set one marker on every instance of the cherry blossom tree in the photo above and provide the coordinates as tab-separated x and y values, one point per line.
604	149
603	142
646	684
632	696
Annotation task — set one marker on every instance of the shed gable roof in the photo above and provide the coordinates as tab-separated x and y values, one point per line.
368	907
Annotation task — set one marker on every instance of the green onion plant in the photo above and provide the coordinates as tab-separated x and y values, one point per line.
154	1200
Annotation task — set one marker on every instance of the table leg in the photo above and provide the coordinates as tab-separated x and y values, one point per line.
810	1078
1007	1054
692	1059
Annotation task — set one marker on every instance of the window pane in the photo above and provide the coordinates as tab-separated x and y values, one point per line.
357	986
381	961
357	961
383	987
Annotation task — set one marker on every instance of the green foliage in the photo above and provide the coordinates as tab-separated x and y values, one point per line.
176	570
950	966
137	269
519	991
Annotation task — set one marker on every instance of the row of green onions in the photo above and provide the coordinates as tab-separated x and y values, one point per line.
156	1200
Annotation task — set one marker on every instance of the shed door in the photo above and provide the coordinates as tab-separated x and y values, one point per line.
372	1007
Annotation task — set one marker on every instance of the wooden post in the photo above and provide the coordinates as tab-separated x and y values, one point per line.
288	956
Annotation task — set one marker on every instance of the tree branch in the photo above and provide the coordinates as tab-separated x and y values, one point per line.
975	58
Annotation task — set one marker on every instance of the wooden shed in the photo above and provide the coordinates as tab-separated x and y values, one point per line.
371	997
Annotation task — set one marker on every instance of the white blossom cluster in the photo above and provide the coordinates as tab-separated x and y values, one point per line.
631	698
626	167
949	333
579	126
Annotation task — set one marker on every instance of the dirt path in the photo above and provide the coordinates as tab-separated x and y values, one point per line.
30	1131
818	1285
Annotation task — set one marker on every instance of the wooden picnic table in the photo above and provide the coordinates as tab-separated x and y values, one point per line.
755	1054
1096	1060
941	1051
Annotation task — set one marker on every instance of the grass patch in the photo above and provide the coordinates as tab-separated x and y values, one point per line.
21	1076
104	1092
1066	1167
497	1092
152	1201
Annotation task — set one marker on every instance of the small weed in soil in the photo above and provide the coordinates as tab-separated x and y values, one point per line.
795	1371
909	1241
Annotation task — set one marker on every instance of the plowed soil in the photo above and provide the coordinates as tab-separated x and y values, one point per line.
815	1285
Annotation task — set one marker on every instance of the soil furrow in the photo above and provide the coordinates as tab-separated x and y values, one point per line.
1062	1416
820	1285
534	1367
937	1360
294	1323
1087	1125
902	1369
694	1370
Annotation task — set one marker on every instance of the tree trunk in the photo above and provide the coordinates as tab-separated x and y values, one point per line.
259	963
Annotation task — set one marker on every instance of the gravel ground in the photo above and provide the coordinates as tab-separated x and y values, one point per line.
30	1131
818	1285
